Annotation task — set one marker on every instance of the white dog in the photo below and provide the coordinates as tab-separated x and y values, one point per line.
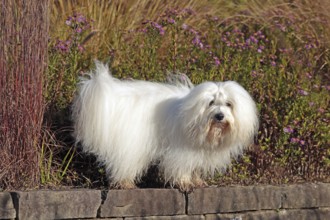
189	132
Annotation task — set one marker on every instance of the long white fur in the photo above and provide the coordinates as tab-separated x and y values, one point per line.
129	125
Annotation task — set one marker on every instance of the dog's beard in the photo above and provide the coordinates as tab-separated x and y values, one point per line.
217	132
210	134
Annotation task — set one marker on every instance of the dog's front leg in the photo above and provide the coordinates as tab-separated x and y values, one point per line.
185	184
123	184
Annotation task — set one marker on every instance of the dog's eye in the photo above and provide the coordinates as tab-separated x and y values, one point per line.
228	104
211	103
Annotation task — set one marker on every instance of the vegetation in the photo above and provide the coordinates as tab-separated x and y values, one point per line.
23	58
278	50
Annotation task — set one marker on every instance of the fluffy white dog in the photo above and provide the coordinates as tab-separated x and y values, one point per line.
189	132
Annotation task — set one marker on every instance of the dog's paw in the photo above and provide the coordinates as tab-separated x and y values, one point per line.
187	187
185	184
124	184
199	183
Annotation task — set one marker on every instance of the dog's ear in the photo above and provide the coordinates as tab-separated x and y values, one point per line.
244	110
192	107
179	79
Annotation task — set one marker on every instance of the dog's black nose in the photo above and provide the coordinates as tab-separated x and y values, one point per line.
219	116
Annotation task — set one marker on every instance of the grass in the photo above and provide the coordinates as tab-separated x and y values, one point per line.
278	50
23	58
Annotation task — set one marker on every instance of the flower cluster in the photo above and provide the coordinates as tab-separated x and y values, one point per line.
158	27
79	26
293	140
170	17
242	41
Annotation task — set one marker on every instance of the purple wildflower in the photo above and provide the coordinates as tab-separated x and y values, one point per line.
308	46
171	20
63	46
193	31
197	42
68	21
158	27
288	130
236	30
184	26
303	92
81	48
78	30
253	39
309	75
294	140
161	31
216	61
81	19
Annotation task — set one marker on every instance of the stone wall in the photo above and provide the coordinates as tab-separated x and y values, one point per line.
304	201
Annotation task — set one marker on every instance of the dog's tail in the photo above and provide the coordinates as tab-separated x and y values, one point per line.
179	80
91	107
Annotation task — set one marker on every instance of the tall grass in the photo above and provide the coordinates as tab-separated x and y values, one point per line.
23	58
278	50
115	18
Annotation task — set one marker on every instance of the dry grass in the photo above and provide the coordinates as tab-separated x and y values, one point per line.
115	18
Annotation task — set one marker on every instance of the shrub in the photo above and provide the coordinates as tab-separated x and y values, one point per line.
278	52
279	59
23	58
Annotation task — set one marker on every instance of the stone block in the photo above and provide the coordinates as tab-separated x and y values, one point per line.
173	217
143	202
232	199
297	214
46	204
307	195
7	210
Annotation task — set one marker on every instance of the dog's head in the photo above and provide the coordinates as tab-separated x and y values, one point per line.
219	115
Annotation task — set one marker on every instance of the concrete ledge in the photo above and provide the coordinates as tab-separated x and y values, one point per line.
57	204
143	202
234	199
298	214
176	217
7	210
300	201
239	198
306	196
